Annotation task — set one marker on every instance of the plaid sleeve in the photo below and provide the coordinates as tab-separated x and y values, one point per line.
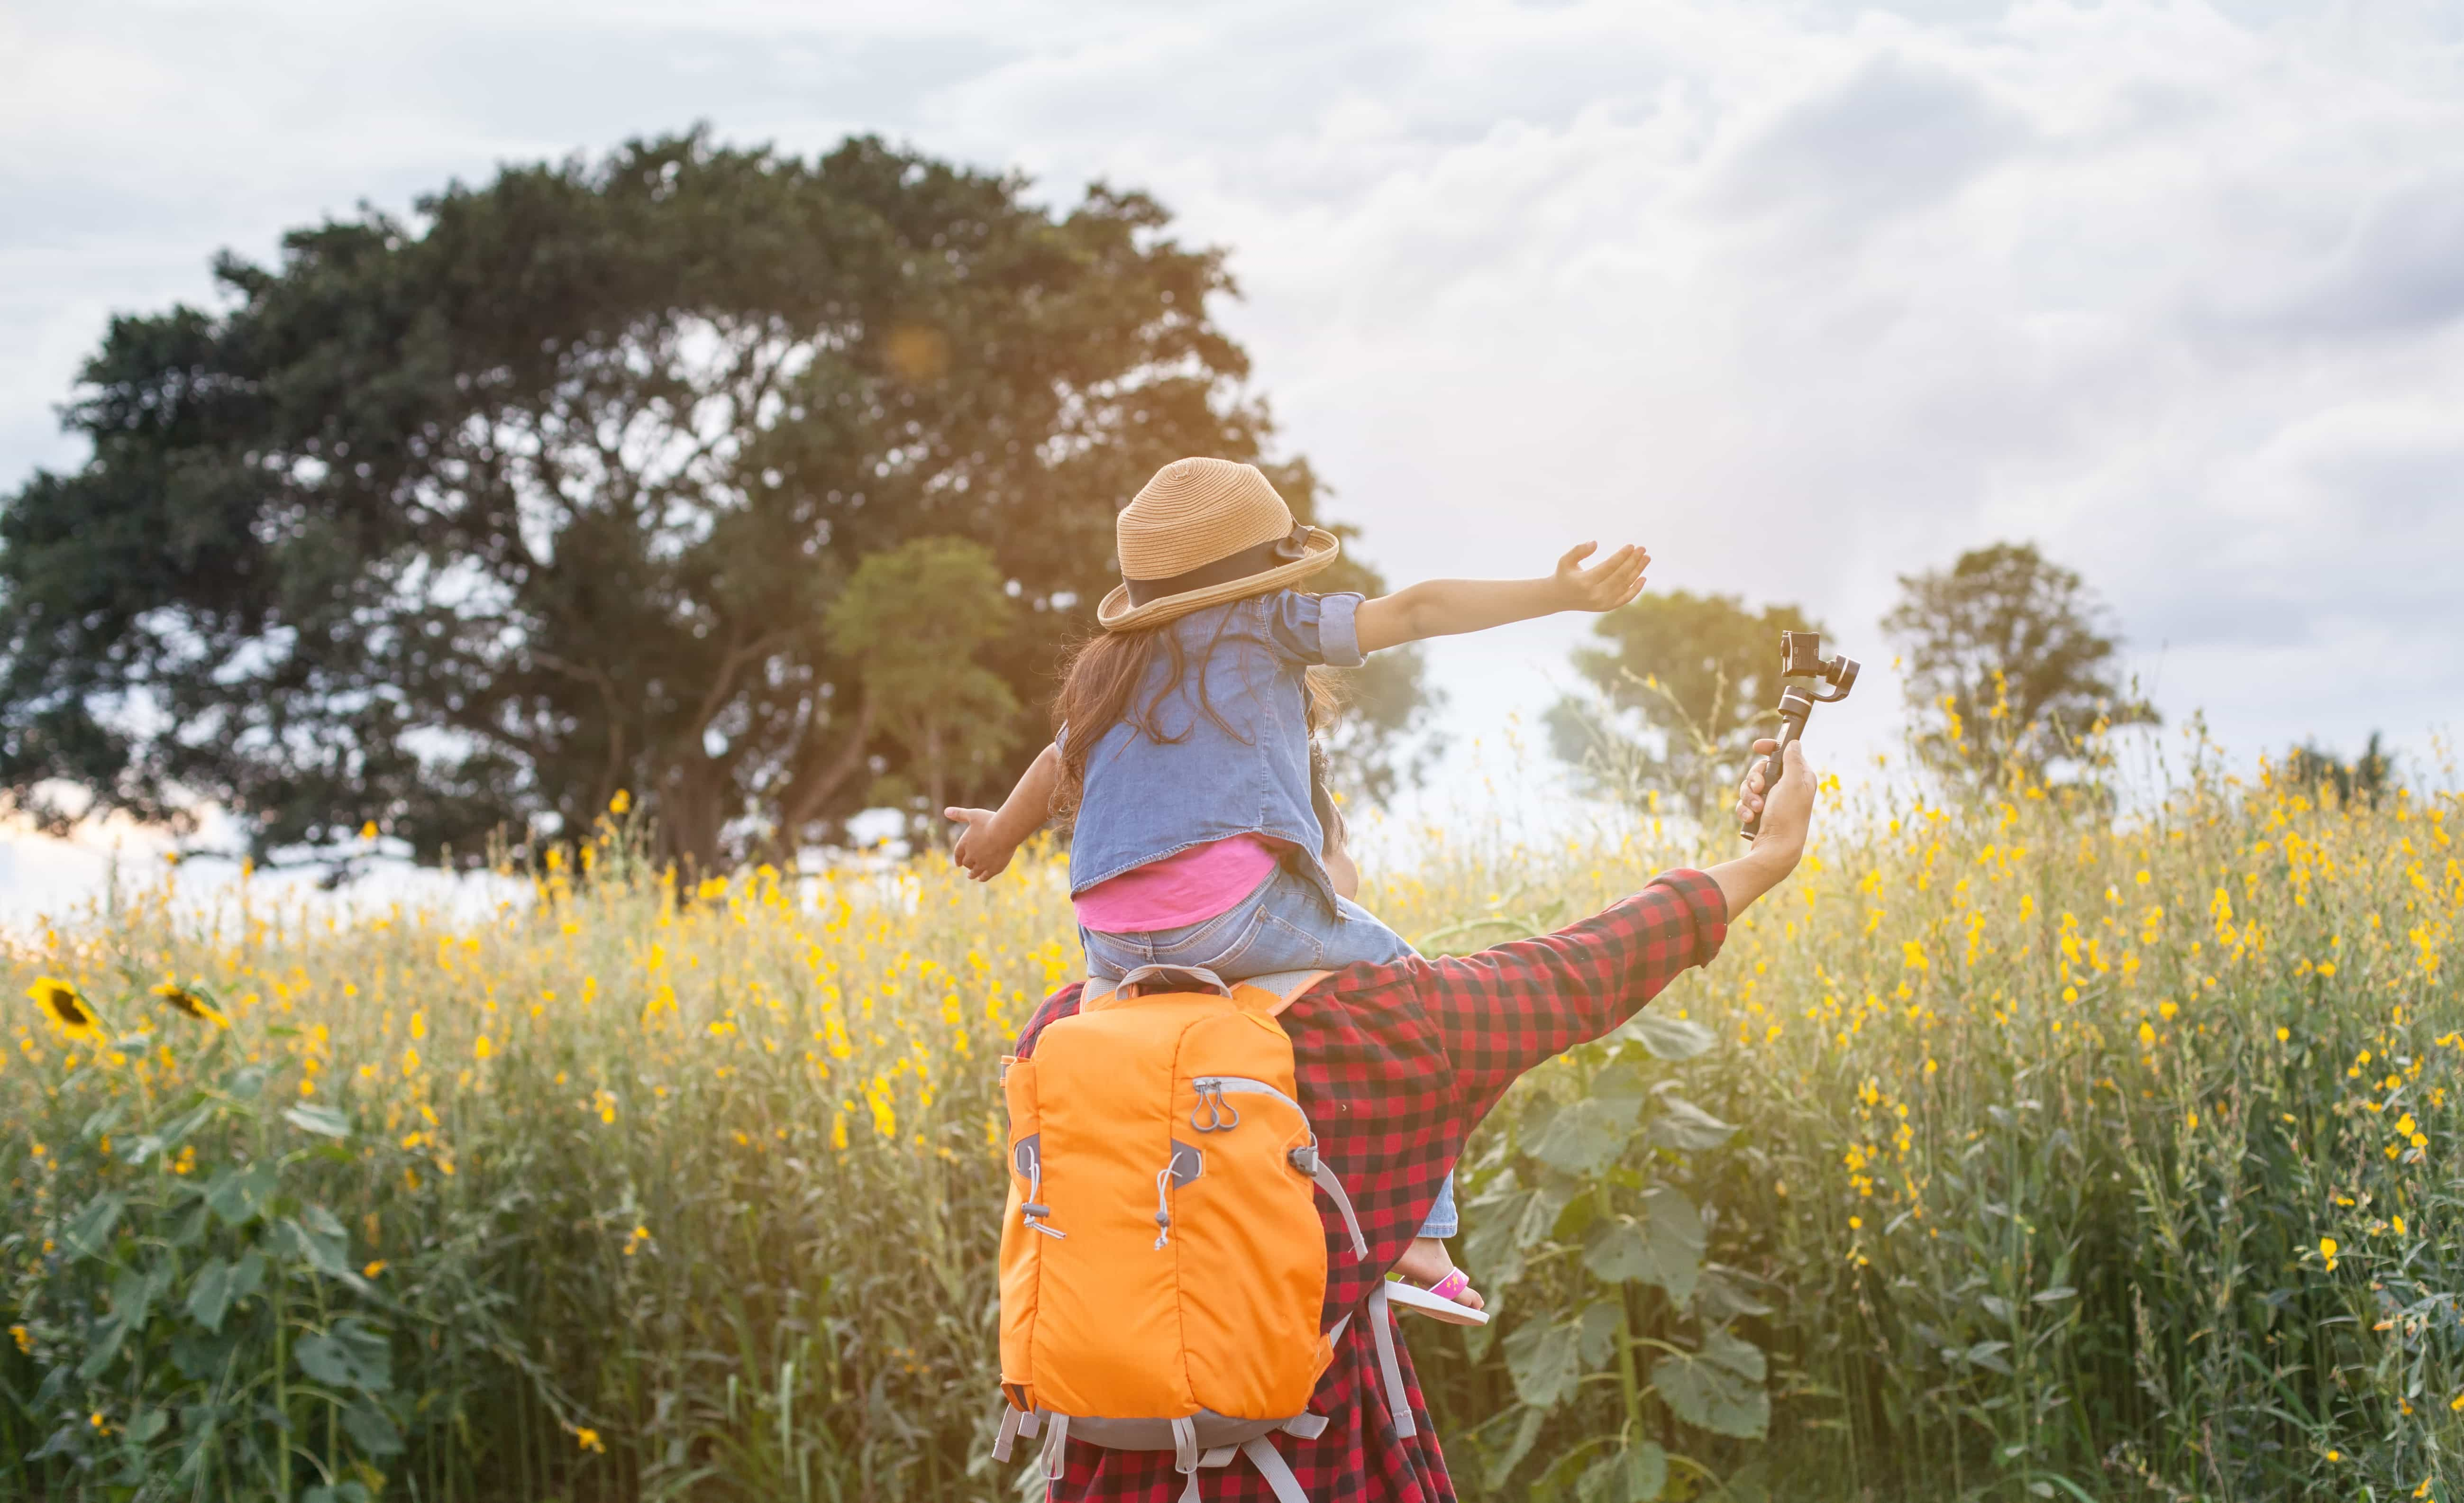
1508	1007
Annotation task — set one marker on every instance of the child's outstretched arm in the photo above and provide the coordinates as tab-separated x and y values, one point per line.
992	836
1448	606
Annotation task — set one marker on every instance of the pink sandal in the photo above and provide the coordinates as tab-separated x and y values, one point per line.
1438	1300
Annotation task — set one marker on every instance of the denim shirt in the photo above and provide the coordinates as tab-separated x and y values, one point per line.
1145	800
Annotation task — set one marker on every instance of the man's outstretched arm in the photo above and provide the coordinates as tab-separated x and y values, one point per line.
1510	1006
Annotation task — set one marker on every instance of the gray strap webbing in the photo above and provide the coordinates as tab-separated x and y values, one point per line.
1306	1426
1029	1422
1184	1445
1056	1449
1381	1326
1333	1187
1008	1432
1279	1476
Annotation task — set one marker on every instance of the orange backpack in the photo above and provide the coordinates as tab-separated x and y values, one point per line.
1163	1263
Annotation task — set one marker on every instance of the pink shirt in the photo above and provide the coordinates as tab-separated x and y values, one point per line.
1187	888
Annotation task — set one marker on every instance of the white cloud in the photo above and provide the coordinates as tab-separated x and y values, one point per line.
1804	296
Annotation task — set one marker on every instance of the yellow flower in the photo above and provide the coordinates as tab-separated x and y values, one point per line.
67	1008
585	1436
193	1002
2327	1251
373	1268
368	830
26	1343
622	802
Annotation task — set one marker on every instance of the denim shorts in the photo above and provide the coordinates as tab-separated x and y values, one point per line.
1282	926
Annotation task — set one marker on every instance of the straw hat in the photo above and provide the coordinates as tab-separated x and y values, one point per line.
1203	532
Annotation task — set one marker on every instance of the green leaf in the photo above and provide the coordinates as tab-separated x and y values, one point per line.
103	1121
319	1241
351	1356
1719	1299
339	1493
192	1226
89	1234
250	1276
209	1293
1719	1388
1547	1205
1622	1087
148	1425
1598	1325
323	1120
132	1296
240	1196
1686	1127
1545	1362
104	1349
1670	1038
1664	1246
1989	1354
170	1134
1501	1465
1634	1474
372	1430
1587	1136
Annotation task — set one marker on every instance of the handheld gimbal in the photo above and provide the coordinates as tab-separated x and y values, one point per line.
1800	656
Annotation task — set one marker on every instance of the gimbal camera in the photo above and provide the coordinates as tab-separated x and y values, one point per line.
1800	656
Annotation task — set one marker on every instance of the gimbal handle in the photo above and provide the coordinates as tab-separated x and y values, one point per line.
1794	707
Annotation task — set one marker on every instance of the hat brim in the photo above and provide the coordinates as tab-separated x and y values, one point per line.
1117	614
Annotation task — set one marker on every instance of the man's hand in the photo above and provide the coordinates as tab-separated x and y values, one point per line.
1793	808
981	850
1613	582
1788	814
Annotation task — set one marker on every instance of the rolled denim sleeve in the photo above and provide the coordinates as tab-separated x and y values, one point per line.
1315	628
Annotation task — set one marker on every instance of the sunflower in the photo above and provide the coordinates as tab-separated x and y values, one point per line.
191	1002
67	1008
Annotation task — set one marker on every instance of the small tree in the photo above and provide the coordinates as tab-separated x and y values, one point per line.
2316	769
2013	651
913	620
1684	684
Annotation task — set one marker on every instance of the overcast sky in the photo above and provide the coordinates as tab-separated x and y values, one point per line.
1803	296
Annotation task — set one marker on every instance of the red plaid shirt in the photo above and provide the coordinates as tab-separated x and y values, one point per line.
1397	1064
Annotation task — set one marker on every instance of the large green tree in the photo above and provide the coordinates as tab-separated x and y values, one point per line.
1681	684
2009	663
463	520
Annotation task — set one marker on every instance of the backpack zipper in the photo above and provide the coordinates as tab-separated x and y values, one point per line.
1223	1117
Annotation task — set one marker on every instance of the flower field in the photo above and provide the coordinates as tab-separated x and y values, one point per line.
2015	1149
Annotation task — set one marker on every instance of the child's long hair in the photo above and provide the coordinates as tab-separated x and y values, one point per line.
1100	682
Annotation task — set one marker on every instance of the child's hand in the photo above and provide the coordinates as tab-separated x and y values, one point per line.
1613	582
981	849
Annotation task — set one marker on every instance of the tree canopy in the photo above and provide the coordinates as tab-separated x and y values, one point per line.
1683	685
462	521
2008	658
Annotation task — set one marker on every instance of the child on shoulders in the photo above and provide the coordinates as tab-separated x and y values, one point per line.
1184	748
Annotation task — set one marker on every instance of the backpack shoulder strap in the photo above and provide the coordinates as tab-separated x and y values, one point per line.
1275	991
